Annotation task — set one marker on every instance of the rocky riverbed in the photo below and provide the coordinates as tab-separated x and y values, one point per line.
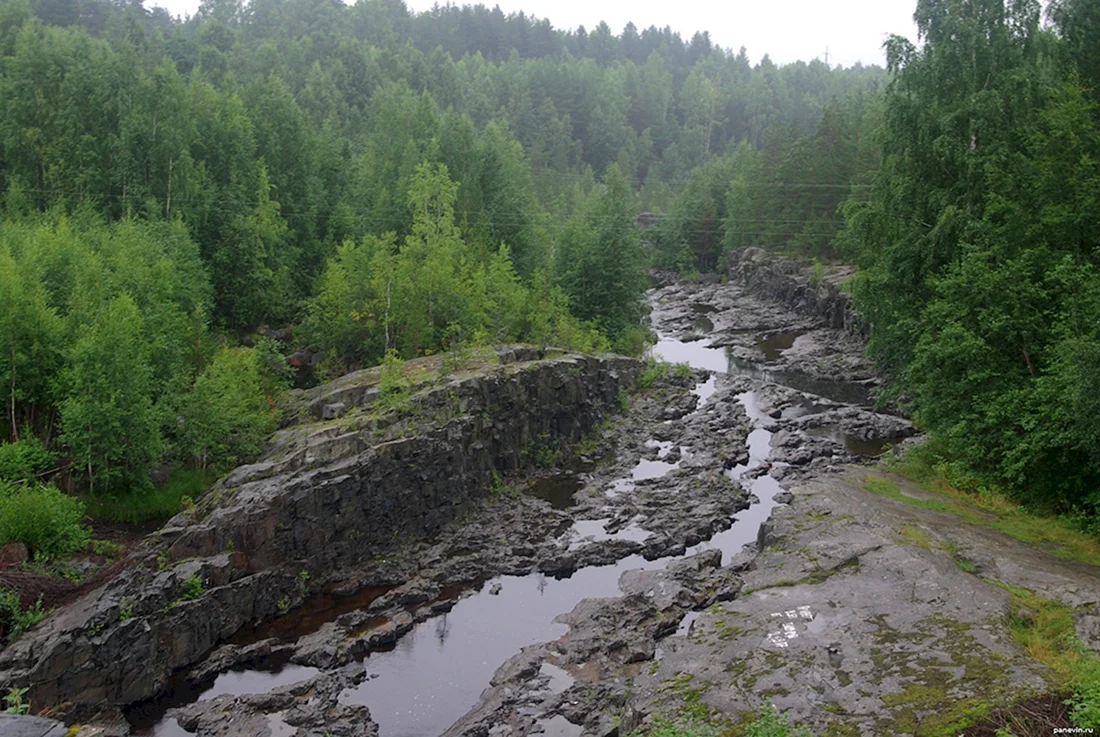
705	548
653	508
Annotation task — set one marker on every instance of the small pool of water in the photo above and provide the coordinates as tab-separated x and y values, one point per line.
148	718
436	673
853	444
697	354
558	489
774	344
843	392
804	409
702	325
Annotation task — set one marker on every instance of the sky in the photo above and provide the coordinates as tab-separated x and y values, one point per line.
786	30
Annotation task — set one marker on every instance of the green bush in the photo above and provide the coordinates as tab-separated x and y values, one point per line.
682	728
42	518
12	616
23	460
393	388
1086	694
657	369
226	416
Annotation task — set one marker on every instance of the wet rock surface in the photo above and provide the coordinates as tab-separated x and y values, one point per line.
310	708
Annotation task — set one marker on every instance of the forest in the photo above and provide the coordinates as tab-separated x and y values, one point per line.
186	202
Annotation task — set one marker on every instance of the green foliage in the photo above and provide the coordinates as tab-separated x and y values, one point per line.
154	505
275	373
600	263
13	618
682	728
24	459
358	172
393	387
43	518
657	369
770	723
193	588
226	416
1085	699
14	703
376	298
978	251
109	422
497	486
541	453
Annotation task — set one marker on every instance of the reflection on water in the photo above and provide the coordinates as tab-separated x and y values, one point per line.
558	489
852	443
698	354
772	345
148	718
843	392
702	325
427	682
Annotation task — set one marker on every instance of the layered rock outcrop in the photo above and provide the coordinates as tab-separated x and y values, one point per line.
363	472
781	279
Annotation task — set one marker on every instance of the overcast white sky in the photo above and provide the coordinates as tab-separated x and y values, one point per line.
787	30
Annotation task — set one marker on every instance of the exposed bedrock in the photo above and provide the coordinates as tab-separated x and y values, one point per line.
359	477
774	277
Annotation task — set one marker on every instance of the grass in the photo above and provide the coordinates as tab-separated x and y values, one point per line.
987	508
657	369
916	536
1047	631
156	505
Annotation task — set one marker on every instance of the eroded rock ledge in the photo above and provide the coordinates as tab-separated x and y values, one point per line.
355	479
780	279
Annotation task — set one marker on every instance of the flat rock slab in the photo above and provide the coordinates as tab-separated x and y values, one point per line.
856	618
16	726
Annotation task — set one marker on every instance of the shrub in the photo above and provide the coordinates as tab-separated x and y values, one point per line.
14	703
12	616
1086	694
657	369
393	387
226	416
42	518
23	460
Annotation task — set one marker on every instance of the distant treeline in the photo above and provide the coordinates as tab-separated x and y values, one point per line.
381	182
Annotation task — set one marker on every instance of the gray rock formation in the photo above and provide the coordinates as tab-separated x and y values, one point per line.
774	277
16	726
326	495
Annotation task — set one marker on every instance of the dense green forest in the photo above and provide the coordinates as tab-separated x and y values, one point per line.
968	194
979	248
184	202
